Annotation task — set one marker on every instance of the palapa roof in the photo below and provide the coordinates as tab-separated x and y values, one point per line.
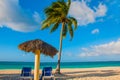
32	45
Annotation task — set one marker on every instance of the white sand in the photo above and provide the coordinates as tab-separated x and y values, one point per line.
105	73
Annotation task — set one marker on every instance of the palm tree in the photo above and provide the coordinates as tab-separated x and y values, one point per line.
57	14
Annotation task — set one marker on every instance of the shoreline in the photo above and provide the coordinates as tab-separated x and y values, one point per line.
73	68
12	71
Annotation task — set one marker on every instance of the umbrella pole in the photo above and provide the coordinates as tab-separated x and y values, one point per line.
37	64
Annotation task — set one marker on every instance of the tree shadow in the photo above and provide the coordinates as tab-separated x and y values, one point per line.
9	76
97	73
77	72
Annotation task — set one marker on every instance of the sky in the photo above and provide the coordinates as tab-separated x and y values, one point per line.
97	37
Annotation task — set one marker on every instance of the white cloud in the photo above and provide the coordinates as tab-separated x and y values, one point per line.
95	31
84	14
37	17
101	10
16	18
111	48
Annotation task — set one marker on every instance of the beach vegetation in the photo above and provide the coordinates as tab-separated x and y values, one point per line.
57	15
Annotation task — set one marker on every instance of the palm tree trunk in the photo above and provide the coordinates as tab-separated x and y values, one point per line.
60	50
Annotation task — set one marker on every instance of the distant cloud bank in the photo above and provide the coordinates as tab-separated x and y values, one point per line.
106	49
16	18
111	48
84	14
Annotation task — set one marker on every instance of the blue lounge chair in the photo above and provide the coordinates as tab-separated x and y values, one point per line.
47	73
26	73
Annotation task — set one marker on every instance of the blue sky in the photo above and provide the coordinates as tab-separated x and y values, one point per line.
97	37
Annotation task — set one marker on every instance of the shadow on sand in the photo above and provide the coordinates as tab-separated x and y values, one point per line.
9	76
82	74
69	75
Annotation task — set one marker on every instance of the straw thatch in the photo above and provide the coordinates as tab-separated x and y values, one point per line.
31	46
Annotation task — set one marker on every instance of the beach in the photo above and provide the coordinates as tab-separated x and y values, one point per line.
102	73
80	39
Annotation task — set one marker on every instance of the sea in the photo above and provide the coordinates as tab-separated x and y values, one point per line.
19	65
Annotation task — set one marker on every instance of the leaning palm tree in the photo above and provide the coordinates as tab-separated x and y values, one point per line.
57	14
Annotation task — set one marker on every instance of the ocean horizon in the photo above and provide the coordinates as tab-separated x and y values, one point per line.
98	64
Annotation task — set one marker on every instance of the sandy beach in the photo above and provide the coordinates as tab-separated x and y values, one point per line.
105	73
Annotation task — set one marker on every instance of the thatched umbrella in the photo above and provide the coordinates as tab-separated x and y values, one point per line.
38	46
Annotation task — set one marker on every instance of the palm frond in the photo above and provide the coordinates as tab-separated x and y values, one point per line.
69	2
64	31
44	26
48	10
58	4
74	22
54	27
70	29
54	19
60	7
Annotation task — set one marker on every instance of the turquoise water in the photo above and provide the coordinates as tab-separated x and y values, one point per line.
19	65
